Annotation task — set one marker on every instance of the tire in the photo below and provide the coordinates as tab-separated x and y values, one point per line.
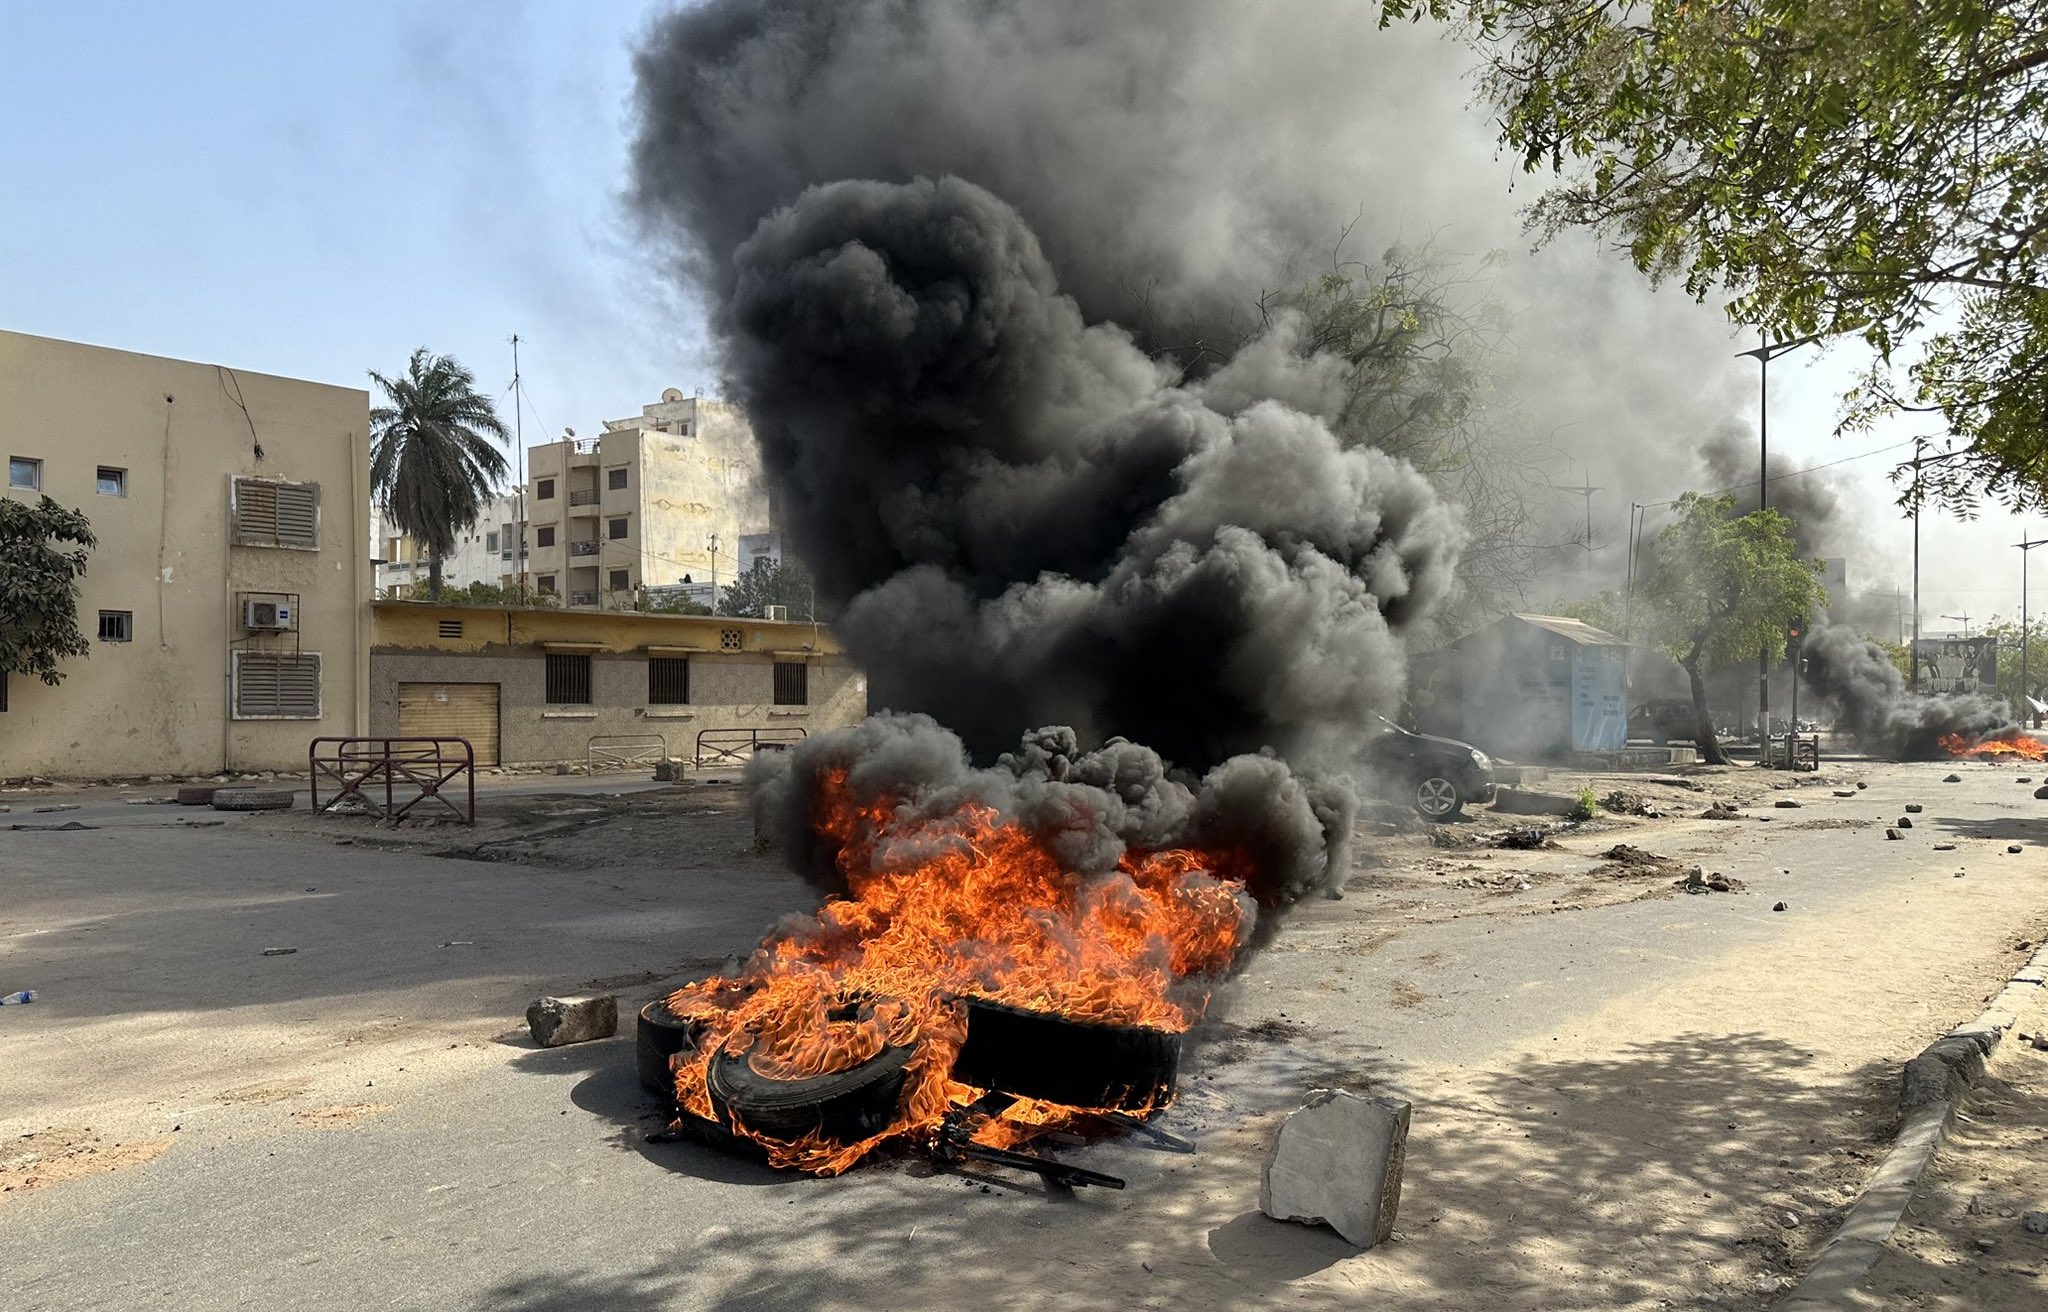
840	1106
1034	1054
662	1034
196	794
252	799
1436	797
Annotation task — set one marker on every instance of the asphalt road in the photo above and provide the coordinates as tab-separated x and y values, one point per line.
360	1123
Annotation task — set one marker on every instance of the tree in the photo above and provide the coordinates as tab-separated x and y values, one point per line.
1719	589
1417	338
675	605
39	586
787	584
2010	665
434	459
1605	610
1871	168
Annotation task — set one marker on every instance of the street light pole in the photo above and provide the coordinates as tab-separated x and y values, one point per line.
2026	693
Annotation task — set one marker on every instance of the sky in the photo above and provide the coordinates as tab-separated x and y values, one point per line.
315	190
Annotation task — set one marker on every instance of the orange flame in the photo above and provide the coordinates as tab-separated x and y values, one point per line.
964	905
2009	744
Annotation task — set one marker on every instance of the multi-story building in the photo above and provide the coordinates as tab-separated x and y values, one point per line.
227	598
661	500
486	552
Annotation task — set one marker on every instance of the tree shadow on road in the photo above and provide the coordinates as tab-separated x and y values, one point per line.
2026	830
1665	1170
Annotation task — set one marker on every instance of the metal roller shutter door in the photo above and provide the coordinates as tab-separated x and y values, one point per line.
452	710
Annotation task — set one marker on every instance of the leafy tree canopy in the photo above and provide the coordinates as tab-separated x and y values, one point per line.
434	457
769	584
1871	167
1605	610
1720	589
43	550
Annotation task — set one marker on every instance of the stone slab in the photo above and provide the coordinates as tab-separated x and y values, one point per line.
579	1019
1337	1162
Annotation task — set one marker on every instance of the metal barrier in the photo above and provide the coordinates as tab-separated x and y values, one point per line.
1793	751
411	770
734	746
623	751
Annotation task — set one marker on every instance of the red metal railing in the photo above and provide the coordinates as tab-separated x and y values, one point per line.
411	770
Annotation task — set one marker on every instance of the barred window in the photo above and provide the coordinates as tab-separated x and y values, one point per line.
276	685
544	490
545	536
276	514
620	580
568	679
117	626
792	683
616	479
616	528
668	681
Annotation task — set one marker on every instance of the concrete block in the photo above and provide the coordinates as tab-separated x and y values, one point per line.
1337	1162
1519	801
556	1021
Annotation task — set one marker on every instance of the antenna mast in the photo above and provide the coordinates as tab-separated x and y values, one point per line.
519	460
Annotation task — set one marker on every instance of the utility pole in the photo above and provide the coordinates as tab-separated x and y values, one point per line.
2026	688
519	460
1587	492
1913	653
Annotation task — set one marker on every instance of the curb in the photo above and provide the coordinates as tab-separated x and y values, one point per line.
1931	1086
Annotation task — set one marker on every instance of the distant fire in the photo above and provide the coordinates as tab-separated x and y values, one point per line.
2009	745
963	905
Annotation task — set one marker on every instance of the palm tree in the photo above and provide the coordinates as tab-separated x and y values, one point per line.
434	457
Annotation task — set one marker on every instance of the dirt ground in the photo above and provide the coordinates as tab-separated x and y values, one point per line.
1962	1243
1626	1096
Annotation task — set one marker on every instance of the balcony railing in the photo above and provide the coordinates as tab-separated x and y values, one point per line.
586	497
583	599
583	548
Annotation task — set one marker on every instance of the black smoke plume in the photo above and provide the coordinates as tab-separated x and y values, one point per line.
1872	704
1089	807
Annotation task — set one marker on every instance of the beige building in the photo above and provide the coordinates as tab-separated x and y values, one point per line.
485	552
227	600
653	501
553	686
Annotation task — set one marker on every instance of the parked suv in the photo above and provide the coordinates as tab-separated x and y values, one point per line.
1436	776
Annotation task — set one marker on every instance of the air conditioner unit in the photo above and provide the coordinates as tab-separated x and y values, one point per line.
262	615
778	612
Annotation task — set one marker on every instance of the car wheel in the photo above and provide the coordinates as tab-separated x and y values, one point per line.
1437	797
1076	1063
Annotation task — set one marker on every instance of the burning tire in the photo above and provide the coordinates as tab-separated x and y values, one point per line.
662	1034
1076	1063
1437	797
841	1106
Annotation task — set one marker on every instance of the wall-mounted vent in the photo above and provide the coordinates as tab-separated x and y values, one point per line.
731	640
451	628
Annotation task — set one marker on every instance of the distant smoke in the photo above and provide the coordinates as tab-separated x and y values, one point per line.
1089	808
1872	704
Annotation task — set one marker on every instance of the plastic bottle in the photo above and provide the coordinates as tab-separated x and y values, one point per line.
26	995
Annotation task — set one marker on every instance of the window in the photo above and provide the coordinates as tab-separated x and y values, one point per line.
545	585
23	472
491	541
276	514
616	529
451	628
117	626
568	679
620	581
668	680
792	683
276	685
545	536
3	690
544	490
616	479
113	482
